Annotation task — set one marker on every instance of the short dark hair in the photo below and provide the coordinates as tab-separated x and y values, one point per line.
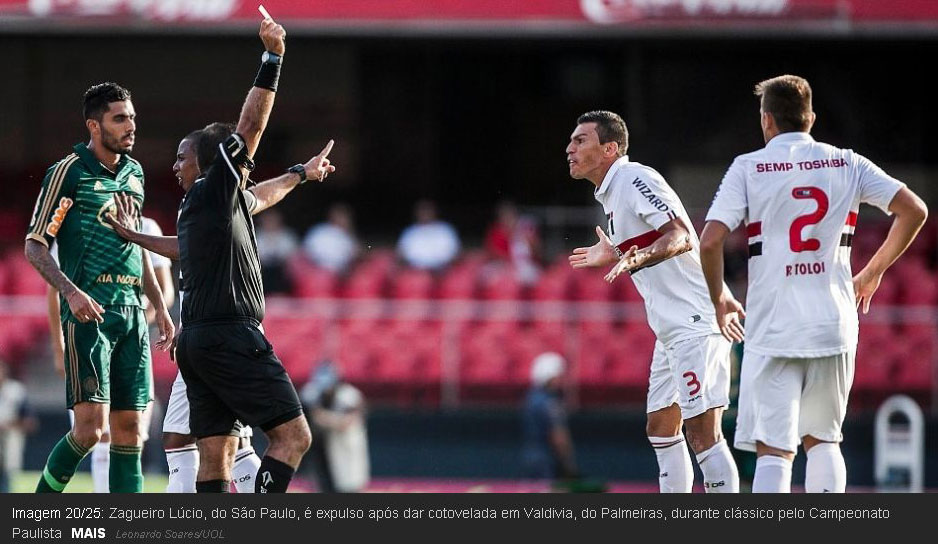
788	99
609	127
206	146
98	97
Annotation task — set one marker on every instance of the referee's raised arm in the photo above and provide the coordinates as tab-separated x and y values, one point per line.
260	99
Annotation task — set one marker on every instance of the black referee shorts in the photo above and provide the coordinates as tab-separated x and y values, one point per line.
232	374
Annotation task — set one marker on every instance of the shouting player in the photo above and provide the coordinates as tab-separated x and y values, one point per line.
652	238
799	199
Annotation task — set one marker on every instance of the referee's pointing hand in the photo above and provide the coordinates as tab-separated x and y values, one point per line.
319	166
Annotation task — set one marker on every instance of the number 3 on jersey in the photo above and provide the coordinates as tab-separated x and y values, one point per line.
797	242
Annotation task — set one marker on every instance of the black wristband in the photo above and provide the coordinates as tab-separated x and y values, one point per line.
268	76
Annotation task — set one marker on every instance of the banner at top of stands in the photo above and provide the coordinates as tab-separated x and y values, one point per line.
480	12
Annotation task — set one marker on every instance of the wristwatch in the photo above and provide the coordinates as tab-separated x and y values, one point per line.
271	58
299	170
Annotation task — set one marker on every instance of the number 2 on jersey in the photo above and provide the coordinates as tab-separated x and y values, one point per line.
799	244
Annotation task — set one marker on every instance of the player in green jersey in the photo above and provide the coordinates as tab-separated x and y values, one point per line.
100	278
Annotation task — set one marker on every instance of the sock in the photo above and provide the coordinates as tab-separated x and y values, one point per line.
825	471
61	465
245	469
773	475
675	471
183	468
719	469
100	466
273	476
126	474
212	486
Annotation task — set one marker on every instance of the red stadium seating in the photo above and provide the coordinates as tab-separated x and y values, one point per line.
876	356
916	368
311	281
414	284
460	282
22	278
501	284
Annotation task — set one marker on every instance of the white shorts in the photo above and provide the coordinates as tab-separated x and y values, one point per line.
694	373
781	399
176	419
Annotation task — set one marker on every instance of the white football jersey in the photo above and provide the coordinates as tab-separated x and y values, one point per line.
637	201
799	199
152	228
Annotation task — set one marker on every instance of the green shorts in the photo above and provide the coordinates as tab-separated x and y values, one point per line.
109	363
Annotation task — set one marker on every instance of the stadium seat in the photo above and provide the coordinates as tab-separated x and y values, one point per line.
501	284
460	282
552	334
311	281
367	281
589	284
918	283
22	278
552	285
876	356
413	284
4	277
917	365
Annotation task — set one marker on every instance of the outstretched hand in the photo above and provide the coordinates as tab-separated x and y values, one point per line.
628	262
124	218
599	254
319	166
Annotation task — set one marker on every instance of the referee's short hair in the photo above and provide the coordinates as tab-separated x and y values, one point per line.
610	127
98	97
207	144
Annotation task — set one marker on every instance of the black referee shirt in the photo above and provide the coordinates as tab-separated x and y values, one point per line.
221	273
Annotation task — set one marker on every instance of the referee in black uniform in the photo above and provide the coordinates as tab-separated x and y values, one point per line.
228	365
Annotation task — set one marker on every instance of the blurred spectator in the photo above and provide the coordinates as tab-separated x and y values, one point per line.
275	245
336	413
513	240
332	245
16	421
548	449
429	243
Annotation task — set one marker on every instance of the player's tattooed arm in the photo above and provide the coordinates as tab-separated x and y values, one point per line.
674	240
124	223
83	307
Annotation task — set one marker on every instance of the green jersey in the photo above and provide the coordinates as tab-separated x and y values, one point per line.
76	194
